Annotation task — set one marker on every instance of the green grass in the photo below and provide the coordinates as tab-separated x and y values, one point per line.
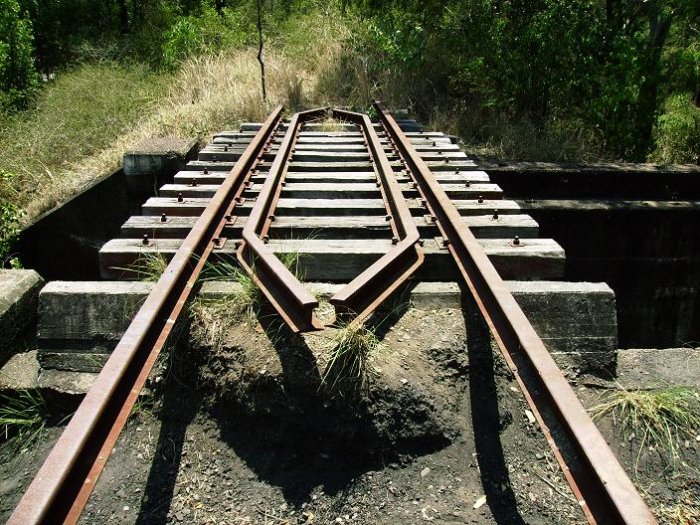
658	419
348	368
148	267
83	111
247	298
23	416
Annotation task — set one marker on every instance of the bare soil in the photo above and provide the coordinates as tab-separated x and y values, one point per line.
246	431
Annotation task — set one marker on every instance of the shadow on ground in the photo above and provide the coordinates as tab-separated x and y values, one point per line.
486	418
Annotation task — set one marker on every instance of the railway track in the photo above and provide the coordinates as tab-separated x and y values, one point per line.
366	204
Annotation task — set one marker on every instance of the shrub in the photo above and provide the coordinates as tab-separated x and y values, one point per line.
10	217
678	131
207	32
18	78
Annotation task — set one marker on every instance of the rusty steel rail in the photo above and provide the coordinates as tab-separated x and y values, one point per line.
294	303
597	479
62	487
365	293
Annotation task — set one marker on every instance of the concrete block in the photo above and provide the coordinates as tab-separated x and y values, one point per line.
19	290
648	368
153	162
576	321
63	382
21	372
81	322
423	295
73	361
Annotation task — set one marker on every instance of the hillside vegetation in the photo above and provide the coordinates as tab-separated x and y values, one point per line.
81	82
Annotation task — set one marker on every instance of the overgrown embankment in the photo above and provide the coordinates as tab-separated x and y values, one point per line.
543	81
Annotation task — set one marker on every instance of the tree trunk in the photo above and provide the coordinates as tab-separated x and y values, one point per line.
647	105
260	48
123	17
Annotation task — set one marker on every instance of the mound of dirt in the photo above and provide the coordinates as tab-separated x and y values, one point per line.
412	395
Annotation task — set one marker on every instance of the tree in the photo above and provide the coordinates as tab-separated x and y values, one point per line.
260	48
18	78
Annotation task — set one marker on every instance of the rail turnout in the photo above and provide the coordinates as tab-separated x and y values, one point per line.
370	195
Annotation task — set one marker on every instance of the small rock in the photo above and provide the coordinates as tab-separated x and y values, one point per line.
404	381
125	508
530	417
425	472
479	502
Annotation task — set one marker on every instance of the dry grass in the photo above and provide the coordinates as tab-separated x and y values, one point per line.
207	94
348	370
659	420
90	116
686	510
330	125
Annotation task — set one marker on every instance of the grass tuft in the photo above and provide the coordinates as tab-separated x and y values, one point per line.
348	367
330	124
659	419
148	267
23	417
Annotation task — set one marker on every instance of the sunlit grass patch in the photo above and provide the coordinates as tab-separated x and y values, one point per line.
348	369
149	266
23	416
658	419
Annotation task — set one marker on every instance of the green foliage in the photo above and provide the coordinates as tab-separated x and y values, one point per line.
10	217
23	416
660	419
541	61
206	32
18	79
148	267
678	131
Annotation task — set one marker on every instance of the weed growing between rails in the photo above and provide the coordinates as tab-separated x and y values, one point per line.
212	317
661	420
348	369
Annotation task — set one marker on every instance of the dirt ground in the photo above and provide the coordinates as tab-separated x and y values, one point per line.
246	432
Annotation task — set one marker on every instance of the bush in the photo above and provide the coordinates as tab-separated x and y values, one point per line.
10	217
678	132
18	78
207	32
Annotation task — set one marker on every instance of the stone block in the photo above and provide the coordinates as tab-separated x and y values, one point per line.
21	372
64	382
19	290
576	321
80	322
154	162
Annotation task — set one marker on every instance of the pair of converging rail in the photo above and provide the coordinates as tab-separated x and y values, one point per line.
364	293
61	489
